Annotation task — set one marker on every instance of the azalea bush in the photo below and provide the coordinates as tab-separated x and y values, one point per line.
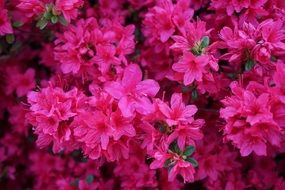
142	94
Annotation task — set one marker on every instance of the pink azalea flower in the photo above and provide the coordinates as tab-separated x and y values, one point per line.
31	8
133	94
93	131
117	150
191	67
278	77
252	142
160	158
118	98
256	109
272	37
194	32
21	83
239	42
5	25
185	169
122	126
69	8
76	48
187	133
52	110
178	111
163	24
105	57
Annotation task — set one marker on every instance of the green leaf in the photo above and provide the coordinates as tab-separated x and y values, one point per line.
17	24
194	94
162	129
62	21
249	65
168	163
89	179
42	23
74	183
232	76
196	50
54	19
205	42
174	147
185	89
47	15
272	58
192	161
189	150
84	159
10	38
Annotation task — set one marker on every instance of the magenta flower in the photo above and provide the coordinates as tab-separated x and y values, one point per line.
187	134
69	8
142	94
31	8
5	25
178	112
185	169
133	95
191	67
76	48
122	126
22	83
256	109
194	32
93	131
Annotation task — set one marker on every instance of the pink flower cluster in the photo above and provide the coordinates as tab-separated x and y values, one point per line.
142	94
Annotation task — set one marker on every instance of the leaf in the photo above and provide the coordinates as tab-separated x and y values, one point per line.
174	147
89	179
194	94
84	159
189	150
196	50
205	42
272	58
168	163
17	24
54	19
42	23
185	89
74	183
62	21
192	161
10	38
47	15
249	65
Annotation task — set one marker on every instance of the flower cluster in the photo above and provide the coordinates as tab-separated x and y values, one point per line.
142	94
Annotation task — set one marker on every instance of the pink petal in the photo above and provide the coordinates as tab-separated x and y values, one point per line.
144	106
104	141
115	89
126	106
180	67
189	111
189	78
164	109
176	101
260	149
181	43
165	35
132	76
147	87
130	130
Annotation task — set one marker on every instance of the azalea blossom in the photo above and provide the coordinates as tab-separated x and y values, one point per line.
133	95
142	94
191	67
